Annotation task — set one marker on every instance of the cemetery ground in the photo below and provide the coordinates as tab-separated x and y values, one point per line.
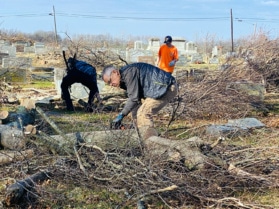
116	170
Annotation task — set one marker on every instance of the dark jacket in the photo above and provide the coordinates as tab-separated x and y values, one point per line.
142	80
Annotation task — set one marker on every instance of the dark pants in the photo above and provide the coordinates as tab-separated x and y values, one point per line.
76	76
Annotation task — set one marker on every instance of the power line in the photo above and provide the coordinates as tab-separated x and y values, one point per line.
120	17
140	18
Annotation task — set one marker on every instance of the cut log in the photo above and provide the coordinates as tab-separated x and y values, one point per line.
4	114
11	138
13	156
16	192
20	118
30	129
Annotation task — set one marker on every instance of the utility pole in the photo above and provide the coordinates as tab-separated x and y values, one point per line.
232	30
53	14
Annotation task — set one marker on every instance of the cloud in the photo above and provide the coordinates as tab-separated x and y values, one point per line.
271	2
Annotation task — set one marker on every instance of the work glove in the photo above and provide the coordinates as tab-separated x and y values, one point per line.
116	123
172	63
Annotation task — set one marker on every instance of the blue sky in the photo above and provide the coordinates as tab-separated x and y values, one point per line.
189	19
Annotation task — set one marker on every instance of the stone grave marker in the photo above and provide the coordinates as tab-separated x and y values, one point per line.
11	50
17	62
147	59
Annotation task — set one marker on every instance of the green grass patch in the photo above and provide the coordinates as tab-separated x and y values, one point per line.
39	85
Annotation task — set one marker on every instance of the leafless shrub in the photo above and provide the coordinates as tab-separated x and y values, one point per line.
214	95
262	55
99	53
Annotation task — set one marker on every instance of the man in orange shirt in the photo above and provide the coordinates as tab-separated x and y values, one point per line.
167	55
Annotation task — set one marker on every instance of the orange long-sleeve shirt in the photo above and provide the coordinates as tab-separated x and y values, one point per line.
166	55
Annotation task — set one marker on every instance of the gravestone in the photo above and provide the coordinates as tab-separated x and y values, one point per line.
40	48
20	45
11	50
17	62
29	49
133	55
78	91
4	42
182	62
215	52
214	60
138	45
180	44
153	44
234	127
196	58
191	48
3	55
147	59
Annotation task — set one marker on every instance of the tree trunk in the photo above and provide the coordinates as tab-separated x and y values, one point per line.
188	150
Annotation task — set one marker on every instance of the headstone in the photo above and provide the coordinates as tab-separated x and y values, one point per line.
40	48
5	43
214	60
133	55
215	51
222	130
191	48
197	58
246	123
179	43
138	45
153	44
234	127
3	55
29	49
182	62
20	45
78	91
17	62
11	50
146	59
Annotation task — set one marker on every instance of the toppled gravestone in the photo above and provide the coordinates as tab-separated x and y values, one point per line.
234	127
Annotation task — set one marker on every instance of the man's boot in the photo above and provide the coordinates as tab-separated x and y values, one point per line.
69	105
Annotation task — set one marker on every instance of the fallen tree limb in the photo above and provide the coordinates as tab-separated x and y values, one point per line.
70	141
51	144
50	122
16	191
239	172
175	149
12	156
